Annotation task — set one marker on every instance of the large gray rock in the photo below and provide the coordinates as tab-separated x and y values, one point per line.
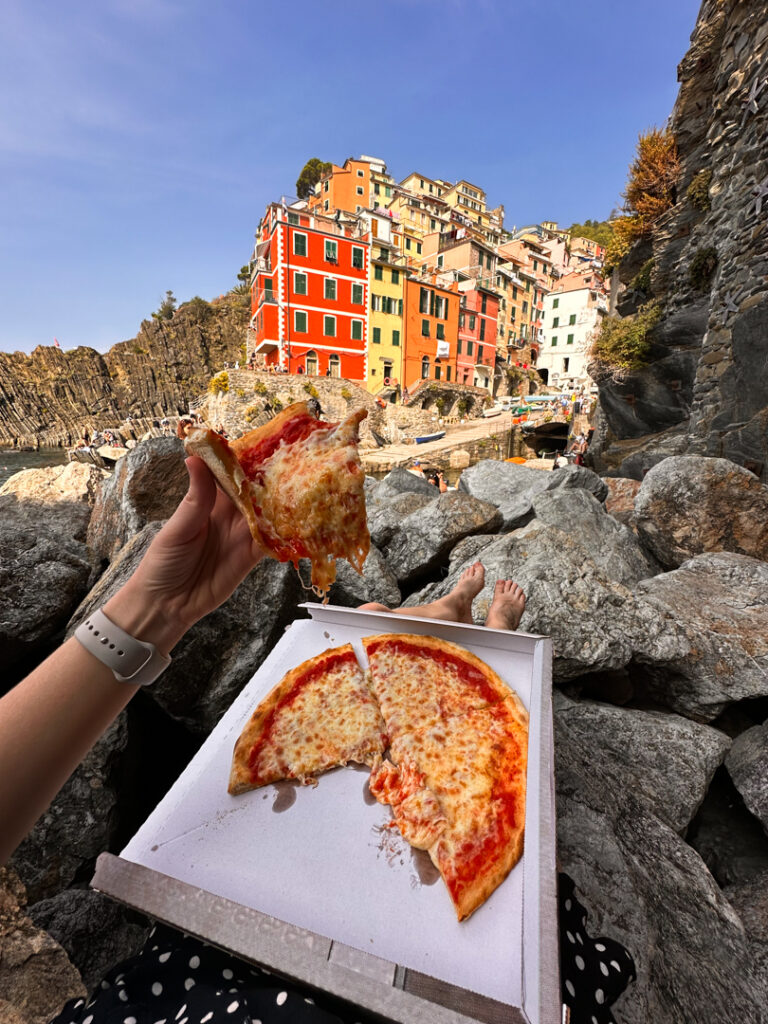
750	901
580	478
69	493
747	764
36	976
81	822
147	485
716	647
385	516
95	931
620	502
219	654
509	486
666	761
400	481
423	540
645	887
44	573
689	504
612	546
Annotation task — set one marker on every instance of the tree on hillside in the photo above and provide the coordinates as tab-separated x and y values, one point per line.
167	307
599	231
312	171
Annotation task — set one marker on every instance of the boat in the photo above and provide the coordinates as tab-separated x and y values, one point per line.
495	410
429	437
104	457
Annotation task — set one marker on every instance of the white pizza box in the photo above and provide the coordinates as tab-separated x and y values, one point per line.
311	881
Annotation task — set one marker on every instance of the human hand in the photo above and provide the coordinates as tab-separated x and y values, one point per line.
191	567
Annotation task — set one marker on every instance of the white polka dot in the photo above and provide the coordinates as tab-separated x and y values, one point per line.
232	1007
163	957
570	988
595	1020
88	1019
580	963
579	939
567	904
162	1021
206	1017
182	1010
157	989
123	995
226	973
310	1001
281	997
119	979
129	1020
600	996
234	989
570	937
194	962
184	1019
189	983
604	968
599	947
78	1003
614	964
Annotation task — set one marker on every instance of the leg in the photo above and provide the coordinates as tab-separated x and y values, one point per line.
456	606
507	606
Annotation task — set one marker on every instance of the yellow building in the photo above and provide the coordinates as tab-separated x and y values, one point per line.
469	201
386	337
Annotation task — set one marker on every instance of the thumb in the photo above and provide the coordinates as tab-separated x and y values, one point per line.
195	508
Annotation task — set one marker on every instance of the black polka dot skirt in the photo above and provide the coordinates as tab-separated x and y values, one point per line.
179	980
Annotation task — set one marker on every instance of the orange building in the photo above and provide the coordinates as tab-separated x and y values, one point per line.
309	294
431	324
356	186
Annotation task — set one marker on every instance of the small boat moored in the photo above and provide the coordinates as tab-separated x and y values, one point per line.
429	437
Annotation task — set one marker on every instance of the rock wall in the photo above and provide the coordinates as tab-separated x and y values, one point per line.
49	396
706	390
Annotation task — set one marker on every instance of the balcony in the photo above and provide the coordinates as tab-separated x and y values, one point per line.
267	297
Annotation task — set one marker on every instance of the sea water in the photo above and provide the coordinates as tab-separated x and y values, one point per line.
12	461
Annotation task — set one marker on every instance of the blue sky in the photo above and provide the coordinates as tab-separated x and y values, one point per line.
140	140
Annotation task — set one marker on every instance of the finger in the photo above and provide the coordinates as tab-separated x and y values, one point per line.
192	514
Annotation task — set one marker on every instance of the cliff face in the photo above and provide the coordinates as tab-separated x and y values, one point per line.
706	390
48	397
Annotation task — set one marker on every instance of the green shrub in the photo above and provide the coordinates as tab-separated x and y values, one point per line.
277	405
260	388
463	406
198	308
623	343
641	282
440	404
252	412
703	266
345	392
698	191
311	389
219	384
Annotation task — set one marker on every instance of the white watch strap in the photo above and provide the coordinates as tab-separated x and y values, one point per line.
131	660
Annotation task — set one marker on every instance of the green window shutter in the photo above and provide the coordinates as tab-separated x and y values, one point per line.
300	322
376	335
299	245
357	330
329	326
401	308
395	277
570	339
554	339
425	328
395	338
378	273
458	347
572	320
357	294
441	332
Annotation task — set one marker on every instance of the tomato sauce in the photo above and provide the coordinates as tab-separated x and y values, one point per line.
466	672
298	428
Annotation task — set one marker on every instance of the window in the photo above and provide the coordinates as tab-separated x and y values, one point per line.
357	295
461	319
325	205
535	265
387	368
378	273
326	184
418	248
571	319
479	353
425	328
432	223
407	243
376	335
437	372
395	277
566	364
331	251
424	367
556	321
423	300
359	190
447	373
525	308
299	244
555	303
554	339
376	189
299	283
268	296
387	191
357	330
293	218
472	321
360	174
569	340
357	258
482	330
484	304
400	307
396	338
440	262
376	303
329	326
514	291
458	347
330	288
470	346
300	321
440	333
334	365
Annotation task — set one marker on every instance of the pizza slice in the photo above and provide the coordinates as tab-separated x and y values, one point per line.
320	715
457	789
421	680
299	484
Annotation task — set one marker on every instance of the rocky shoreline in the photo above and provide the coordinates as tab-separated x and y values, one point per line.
655	595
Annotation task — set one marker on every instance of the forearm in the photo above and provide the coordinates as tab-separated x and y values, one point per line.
50	721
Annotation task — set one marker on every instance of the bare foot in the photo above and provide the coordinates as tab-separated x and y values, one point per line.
456	606
507	606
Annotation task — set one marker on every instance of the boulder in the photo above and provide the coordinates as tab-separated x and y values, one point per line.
44	573
81	822
750	901
747	765
689	504
645	887
612	546
716	647
666	761
36	976
509	486
94	930
146	486
384	516
620	502
400	481
422	541
215	659
69	493
579	477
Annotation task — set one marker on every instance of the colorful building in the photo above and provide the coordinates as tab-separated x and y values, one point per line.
431	313
573	312
309	294
476	345
353	187
386	336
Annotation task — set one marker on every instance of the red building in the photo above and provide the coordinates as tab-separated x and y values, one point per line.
309	294
478	325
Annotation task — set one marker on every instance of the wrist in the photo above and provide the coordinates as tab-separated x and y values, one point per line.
134	611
